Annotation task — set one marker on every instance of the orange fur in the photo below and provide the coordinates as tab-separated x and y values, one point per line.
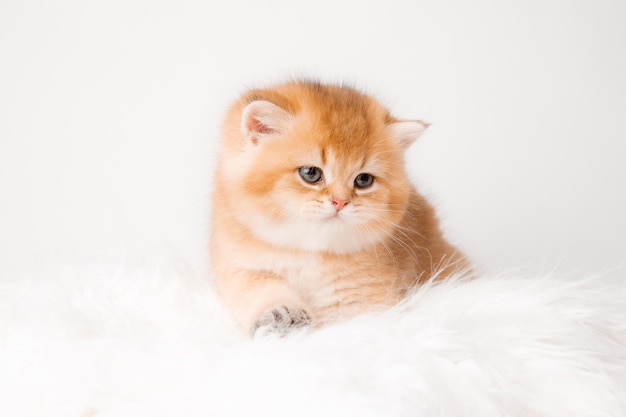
279	241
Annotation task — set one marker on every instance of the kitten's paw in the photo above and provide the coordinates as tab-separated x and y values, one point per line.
280	320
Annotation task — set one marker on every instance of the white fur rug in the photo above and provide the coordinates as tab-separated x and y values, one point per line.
151	340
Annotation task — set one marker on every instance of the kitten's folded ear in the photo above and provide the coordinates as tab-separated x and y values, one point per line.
263	119
406	132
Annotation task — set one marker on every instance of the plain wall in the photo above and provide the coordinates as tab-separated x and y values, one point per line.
110	114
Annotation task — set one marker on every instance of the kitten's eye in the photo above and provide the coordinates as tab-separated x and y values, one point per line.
363	180
310	174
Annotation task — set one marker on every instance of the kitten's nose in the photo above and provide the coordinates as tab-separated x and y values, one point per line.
339	203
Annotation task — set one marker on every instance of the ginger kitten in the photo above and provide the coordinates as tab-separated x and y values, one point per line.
314	218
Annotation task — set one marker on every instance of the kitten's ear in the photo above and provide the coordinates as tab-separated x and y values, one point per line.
406	132
262	119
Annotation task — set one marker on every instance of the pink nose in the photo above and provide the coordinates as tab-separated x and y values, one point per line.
339	203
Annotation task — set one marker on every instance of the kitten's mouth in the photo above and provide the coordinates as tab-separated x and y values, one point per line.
334	217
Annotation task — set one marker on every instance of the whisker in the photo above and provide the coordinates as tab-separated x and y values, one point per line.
400	243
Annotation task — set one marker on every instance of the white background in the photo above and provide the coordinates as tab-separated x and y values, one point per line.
110	113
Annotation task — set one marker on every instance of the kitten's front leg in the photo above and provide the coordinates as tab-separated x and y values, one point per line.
262	302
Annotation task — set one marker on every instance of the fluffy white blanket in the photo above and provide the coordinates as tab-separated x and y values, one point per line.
151	340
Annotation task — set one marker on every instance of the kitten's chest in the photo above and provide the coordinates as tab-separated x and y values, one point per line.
323	281
308	274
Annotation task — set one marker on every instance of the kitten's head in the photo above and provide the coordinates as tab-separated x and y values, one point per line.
315	167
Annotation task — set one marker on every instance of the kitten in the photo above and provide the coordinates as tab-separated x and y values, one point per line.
314	219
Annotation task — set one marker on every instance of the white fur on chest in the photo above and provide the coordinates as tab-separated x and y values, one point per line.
305	272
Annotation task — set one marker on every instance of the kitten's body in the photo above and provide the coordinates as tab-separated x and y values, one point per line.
286	251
